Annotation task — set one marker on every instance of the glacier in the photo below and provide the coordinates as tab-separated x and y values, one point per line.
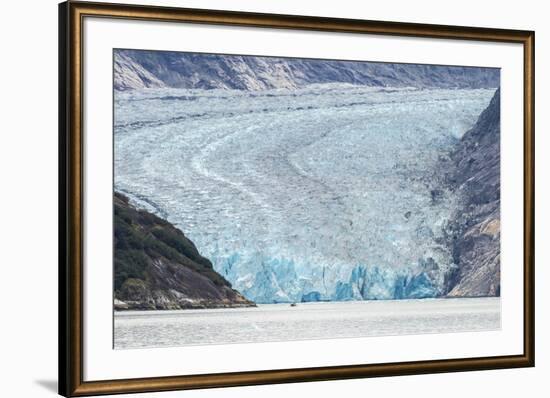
328	192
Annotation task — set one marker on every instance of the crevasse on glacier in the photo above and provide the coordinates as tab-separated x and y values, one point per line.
330	192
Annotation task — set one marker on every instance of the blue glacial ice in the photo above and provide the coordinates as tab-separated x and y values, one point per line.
324	193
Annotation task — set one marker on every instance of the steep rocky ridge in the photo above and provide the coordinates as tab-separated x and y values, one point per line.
474	235
157	267
135	69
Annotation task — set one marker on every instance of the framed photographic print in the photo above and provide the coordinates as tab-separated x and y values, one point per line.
251	198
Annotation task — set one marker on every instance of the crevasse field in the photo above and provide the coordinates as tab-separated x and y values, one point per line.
301	195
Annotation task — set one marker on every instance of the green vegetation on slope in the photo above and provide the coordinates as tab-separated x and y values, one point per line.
158	267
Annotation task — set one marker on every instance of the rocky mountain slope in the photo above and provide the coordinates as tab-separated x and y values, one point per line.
157	267
475	234
135	69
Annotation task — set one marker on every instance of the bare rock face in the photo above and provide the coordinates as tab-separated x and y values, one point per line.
475	233
131	75
142	69
157	267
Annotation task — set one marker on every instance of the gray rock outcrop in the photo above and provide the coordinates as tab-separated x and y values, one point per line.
475	233
135	69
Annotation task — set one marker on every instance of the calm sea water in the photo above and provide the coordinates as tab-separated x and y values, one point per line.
281	322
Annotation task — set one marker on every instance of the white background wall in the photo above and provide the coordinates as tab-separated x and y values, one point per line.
28	201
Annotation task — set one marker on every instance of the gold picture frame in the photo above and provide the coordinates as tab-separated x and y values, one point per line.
71	16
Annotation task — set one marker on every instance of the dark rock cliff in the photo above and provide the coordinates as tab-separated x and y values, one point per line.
475	233
157	267
140	69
